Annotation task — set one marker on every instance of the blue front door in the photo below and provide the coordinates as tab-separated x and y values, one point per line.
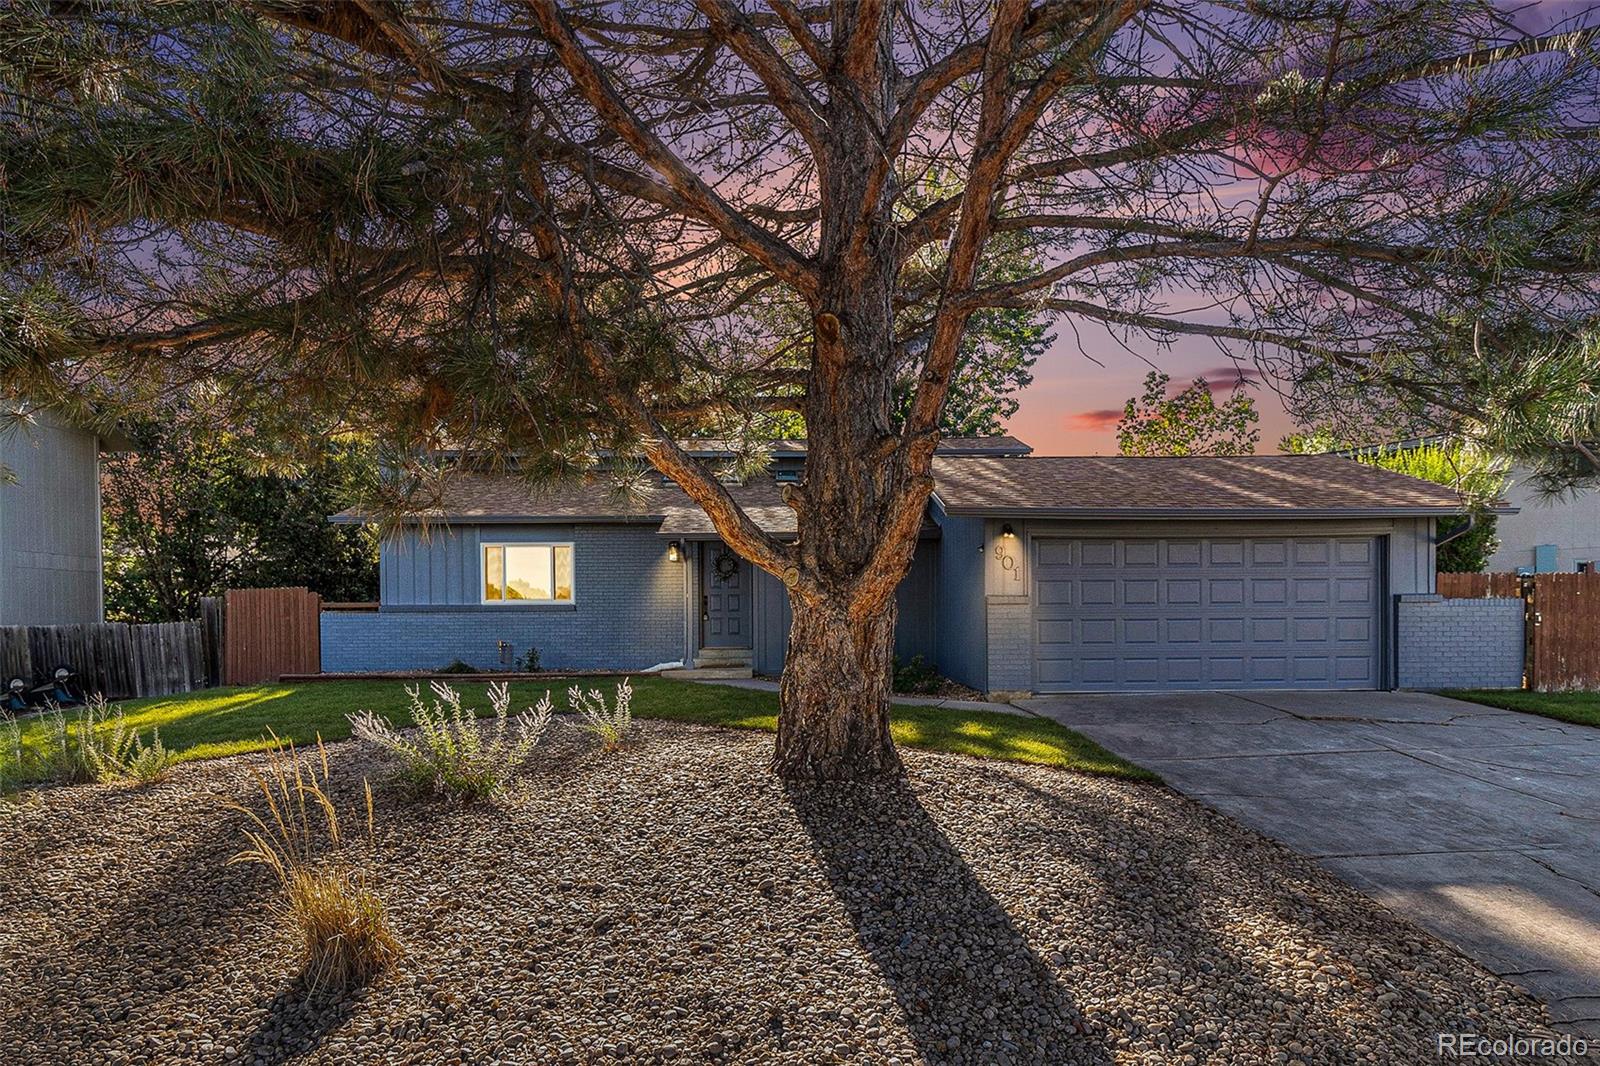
724	598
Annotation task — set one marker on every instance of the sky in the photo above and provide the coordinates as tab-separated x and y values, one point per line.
1073	405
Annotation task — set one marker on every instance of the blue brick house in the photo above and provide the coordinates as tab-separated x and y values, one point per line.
1032	574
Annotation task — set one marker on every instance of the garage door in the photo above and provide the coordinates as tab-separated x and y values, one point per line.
1213	613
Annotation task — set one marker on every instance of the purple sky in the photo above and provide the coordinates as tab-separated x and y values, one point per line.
1073	405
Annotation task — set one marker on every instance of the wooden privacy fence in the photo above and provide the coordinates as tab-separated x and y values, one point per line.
114	659
1480	586
272	632
1562	622
1564	651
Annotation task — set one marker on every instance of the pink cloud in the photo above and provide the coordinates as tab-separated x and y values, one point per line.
1228	378
1102	419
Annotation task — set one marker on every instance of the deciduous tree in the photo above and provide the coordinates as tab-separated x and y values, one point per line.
194	511
1189	421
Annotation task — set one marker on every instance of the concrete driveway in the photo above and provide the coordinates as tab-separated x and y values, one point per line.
1480	825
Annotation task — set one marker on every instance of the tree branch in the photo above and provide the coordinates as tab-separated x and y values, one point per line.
789	94
698	197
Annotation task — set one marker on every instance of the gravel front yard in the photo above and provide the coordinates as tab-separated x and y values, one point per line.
674	903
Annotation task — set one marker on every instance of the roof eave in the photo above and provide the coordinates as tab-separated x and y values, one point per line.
927	532
985	453
507	520
1202	512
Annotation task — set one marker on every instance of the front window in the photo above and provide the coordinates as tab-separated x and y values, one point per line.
527	573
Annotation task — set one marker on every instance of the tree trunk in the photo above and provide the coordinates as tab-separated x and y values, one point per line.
860	505
834	722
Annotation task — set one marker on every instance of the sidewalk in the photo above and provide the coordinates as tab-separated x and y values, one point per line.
759	685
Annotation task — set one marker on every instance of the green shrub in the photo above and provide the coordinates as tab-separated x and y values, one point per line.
451	751
109	749
61	760
1478	477
95	745
916	676
610	724
529	663
456	666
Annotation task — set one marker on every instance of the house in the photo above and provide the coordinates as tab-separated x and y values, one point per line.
50	556
1032	574
1547	533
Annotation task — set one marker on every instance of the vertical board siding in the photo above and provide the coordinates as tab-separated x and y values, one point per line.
50	526
961	638
1411	556
271	632
915	631
441	568
770	645
628	611
916	605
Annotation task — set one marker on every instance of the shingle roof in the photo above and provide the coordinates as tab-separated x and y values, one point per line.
503	499
1111	486
1306	486
996	444
506	498
761	499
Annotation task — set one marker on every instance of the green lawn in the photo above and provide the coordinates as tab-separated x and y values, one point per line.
228	721
1580	708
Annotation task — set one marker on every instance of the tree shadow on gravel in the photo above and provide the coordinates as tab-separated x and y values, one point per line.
971	988
296	1022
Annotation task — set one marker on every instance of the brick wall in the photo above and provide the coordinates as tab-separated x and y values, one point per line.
1449	643
628	614
1010	644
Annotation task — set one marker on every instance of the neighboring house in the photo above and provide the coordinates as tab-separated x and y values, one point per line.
1548	533
50	563
1033	573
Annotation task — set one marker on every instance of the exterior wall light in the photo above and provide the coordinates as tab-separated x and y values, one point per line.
1007	532
674	551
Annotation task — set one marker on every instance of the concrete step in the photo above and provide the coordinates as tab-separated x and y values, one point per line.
723	657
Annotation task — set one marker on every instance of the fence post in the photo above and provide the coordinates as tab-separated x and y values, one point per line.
213	622
1531	621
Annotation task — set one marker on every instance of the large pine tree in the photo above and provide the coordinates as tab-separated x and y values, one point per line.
512	228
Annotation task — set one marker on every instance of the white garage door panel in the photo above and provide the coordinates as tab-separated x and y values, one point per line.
1155	613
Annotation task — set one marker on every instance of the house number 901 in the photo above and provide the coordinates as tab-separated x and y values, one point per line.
1008	562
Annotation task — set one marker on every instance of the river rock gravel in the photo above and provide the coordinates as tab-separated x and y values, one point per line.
674	903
